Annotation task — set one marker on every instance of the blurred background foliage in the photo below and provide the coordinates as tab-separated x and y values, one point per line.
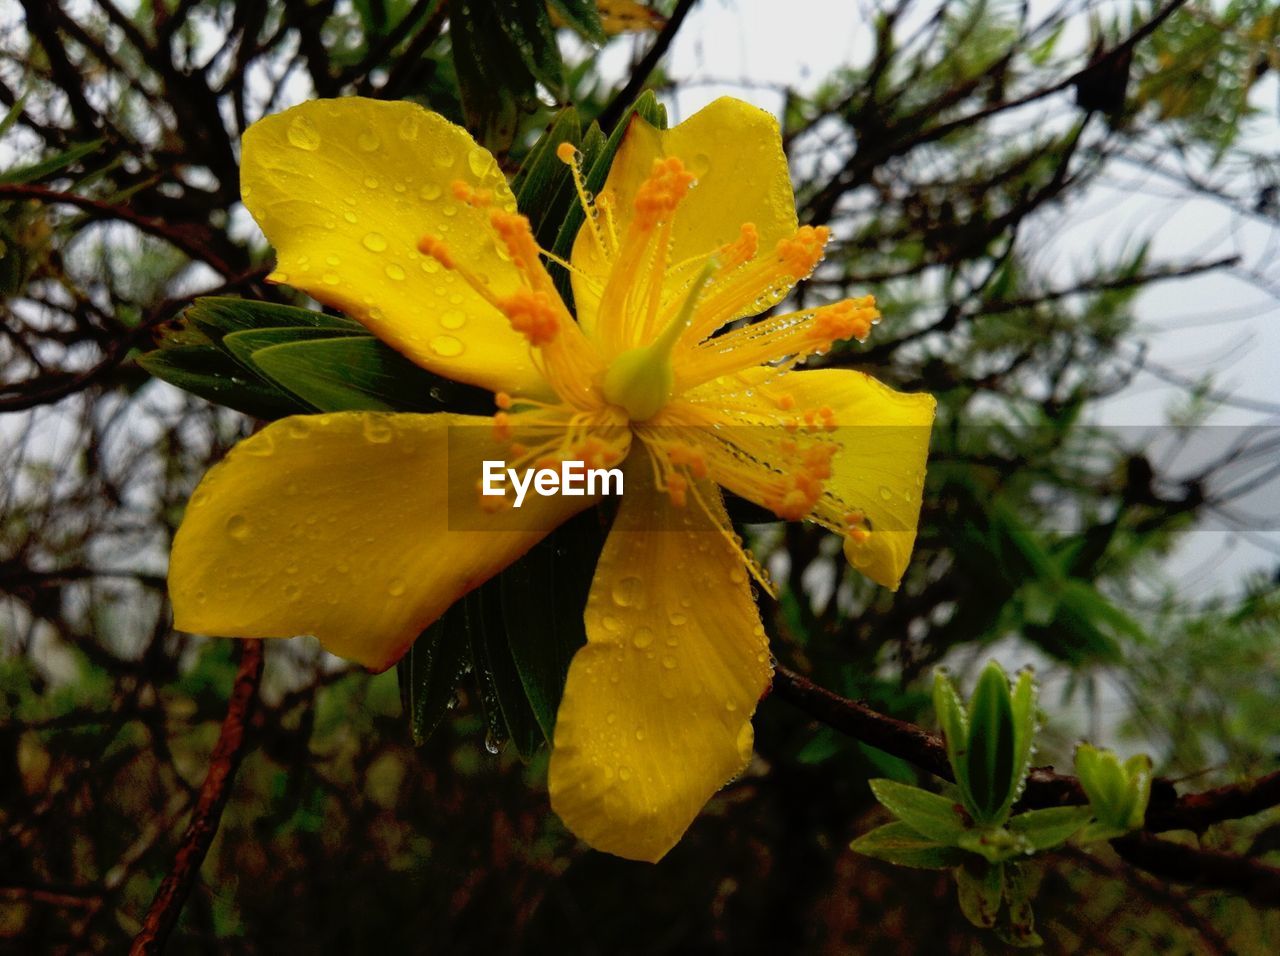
939	159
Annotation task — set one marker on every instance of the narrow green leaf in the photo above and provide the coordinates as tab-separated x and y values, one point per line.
218	316
543	595
991	744
1023	707
361	373
898	843
544	186
1019	927
955	729
210	373
47	167
243	344
583	16
502	695
429	673
1043	829
930	814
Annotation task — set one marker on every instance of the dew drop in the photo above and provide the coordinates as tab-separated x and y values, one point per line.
395	272
277	276
639	735
479	161
446	346
430	192
330	278
368	141
491	743
332	261
396	587
375	242
677	618
408	128
670	663
444	159
737	576
642	638
350	217
303	134
885	493
292	592
377	431
370	182
627	591
611	623
624	773
238	527
453	319
449	209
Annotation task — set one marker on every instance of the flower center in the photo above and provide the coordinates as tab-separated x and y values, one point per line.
642	380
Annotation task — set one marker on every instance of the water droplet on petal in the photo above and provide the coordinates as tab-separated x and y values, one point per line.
396	587
453	319
670	663
444	159
447	346
642	637
377	431
303	134
480	161
330	278
370	182
277	276
885	493
408	128
350	217
628	591
368	140
238	527
430	192
624	773
611	623
395	272
677	618
491	743
375	242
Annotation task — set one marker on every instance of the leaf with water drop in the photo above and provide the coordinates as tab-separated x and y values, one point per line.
430	671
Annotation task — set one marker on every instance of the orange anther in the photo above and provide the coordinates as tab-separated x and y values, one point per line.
437	250
567	153
502	400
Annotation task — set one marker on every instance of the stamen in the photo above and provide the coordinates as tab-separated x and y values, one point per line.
571	156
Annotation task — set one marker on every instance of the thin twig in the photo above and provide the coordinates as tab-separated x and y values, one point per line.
225	760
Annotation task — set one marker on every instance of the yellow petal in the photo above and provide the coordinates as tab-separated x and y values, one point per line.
884	444
360	528
656	714
345	188
735	150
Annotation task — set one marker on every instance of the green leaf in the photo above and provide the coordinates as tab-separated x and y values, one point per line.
1118	793
1043	829
930	814
1023	707
543	187
243	344
898	843
212	374
583	16
218	316
543	596
430	672
980	889
360	373
1018	927
502	696
955	728
47	167
991	758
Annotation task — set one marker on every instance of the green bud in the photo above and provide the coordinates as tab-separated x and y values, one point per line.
1118	792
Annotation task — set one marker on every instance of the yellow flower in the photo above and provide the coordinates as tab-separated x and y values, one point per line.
351	527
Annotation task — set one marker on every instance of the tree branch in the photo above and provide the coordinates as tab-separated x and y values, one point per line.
225	760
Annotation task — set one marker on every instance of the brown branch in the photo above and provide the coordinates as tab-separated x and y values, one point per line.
1047	788
225	760
610	115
